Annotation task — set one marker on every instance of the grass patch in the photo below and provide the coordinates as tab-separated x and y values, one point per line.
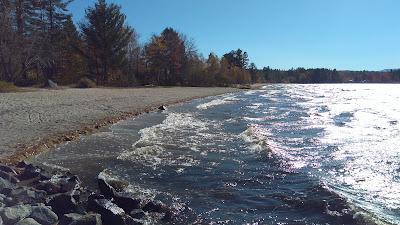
7	87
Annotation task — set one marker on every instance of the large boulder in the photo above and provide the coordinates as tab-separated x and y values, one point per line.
63	204
9	177
137	214
127	201
106	189
50	84
5	185
155	206
30	172
8	169
59	184
28	221
44	215
12	215
78	219
24	195
111	213
109	185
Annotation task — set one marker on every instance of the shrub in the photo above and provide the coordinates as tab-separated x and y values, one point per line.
86	83
7	87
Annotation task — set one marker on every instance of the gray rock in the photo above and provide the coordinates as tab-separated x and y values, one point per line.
11	215
51	84
127	201
106	189
24	195
128	220
58	185
2	197
155	206
9	201
137	214
8	169
1	221
63	204
110	212
28	221
5	184
78	219
44	215
31	172
8	177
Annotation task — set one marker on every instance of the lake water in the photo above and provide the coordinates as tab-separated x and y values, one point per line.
285	154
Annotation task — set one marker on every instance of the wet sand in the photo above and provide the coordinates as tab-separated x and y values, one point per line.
31	122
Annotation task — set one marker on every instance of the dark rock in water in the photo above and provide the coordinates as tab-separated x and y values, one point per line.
155	206
128	220
137	214
105	188
110	212
63	204
78	219
127	201
162	108
11	215
94	196
168	216
28	221
105	206
44	215
8	177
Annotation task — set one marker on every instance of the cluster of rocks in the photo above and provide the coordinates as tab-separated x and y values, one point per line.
31	196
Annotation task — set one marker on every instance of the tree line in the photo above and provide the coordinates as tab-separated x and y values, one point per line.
39	42
321	75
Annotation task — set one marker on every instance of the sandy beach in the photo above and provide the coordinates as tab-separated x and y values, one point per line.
33	121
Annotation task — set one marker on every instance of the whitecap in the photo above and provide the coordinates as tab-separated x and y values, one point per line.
217	102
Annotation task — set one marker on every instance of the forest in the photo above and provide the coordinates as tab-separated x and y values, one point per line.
39	41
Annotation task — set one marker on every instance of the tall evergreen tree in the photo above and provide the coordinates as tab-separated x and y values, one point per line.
107	37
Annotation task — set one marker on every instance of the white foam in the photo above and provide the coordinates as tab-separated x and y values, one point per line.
216	102
256	137
178	130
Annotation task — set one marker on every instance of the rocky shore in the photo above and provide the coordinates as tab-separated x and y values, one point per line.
31	196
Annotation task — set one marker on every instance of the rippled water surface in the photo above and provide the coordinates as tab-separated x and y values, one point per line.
288	154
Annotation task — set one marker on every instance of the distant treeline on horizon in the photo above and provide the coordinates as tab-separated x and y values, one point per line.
40	42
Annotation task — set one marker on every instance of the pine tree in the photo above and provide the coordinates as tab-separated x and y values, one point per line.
72	65
107	37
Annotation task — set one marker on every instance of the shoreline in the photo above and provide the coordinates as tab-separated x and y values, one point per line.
46	142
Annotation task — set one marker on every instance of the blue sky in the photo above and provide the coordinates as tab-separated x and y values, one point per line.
342	34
